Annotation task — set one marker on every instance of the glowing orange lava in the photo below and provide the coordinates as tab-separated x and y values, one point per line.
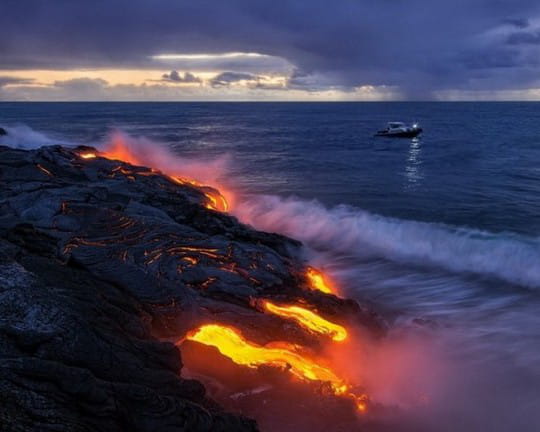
118	150
227	340
182	180
88	155
317	281
217	202
45	170
233	345
191	260
309	320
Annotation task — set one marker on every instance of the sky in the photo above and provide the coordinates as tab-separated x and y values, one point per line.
335	50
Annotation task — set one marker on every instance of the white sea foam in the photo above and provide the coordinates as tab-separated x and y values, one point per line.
346	230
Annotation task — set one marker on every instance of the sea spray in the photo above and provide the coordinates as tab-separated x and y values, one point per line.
23	137
345	230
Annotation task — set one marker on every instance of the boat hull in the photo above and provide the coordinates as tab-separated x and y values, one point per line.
401	134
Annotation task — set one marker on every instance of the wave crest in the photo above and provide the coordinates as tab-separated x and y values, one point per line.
350	231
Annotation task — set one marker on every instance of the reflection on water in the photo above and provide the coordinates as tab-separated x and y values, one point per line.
413	168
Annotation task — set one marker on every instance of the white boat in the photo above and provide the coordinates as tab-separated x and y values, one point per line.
400	130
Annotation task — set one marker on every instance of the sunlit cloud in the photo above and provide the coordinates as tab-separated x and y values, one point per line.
124	85
221	56
237	62
205	85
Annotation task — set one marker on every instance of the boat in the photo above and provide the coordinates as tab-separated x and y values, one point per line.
400	130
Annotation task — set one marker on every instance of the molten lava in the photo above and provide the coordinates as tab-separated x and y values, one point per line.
309	320
302	364
88	155
182	181
45	170
233	345
217	202
119	150
317	281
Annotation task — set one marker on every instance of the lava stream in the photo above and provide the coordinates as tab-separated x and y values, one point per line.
318	281
309	320
229	341
233	345
89	155
119	150
217	202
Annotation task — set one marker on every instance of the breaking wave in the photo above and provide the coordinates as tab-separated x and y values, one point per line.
349	231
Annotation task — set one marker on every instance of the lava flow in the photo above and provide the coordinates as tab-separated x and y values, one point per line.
318	281
117	149
89	155
302	364
216	201
309	320
233	345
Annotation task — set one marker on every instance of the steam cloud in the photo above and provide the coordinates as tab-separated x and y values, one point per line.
149	153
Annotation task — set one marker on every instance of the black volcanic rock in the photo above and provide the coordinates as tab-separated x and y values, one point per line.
77	355
103	267
3	131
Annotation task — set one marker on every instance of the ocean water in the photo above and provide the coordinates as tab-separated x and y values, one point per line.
442	233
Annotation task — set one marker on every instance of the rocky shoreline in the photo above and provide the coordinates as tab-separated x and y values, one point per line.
105	267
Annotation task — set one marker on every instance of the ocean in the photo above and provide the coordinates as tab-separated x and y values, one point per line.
441	233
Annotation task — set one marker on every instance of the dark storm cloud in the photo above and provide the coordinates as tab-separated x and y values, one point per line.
174	76
524	38
420	46
5	80
493	59
517	22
